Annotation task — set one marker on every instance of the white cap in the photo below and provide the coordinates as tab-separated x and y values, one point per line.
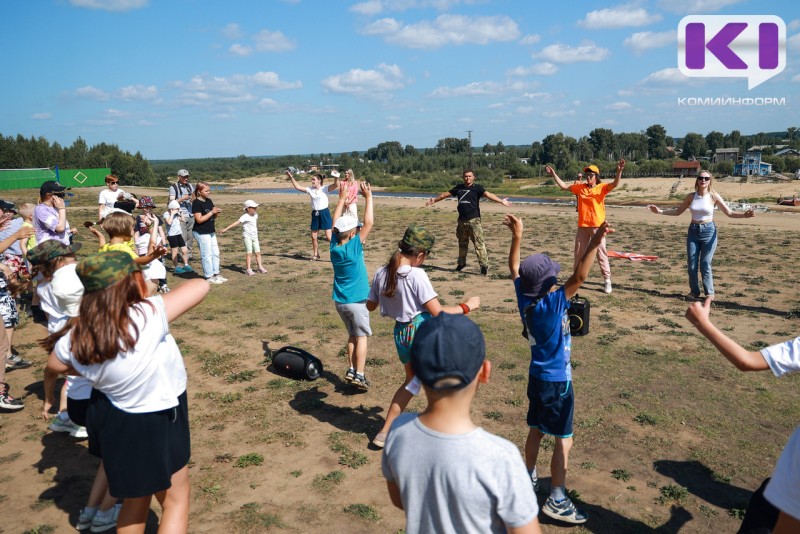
183	172
345	223
250	204
173	205
67	289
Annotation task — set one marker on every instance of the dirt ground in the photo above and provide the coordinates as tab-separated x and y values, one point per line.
669	437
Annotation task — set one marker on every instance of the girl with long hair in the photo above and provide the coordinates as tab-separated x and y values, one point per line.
404	292
320	213
205	233
137	419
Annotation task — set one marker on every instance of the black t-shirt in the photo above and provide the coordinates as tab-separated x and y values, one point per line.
468	199
202	207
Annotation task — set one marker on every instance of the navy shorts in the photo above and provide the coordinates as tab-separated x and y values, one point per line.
551	407
176	241
140	451
76	409
321	220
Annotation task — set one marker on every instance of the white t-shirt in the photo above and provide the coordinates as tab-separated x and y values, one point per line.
56	318
784	357
319	197
414	289
108	198
249	225
148	378
67	289
174	228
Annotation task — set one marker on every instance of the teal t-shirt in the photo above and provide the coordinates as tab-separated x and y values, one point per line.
350	281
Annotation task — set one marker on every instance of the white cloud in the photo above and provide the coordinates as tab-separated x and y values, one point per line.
669	76
269	41
793	24
556	114
625	92
530	39
496	105
360	82
622	16
240	50
619	106
373	7
796	79
110	5
393	126
587	51
137	92
93	93
487	88
695	6
42	116
232	31
539	69
145	122
525	109
445	30
112	113
793	42
267	103
641	41
271	80
369	8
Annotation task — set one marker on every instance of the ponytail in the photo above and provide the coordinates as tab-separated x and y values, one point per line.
403	249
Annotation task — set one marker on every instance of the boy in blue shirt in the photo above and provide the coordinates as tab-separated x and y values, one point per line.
543	308
350	282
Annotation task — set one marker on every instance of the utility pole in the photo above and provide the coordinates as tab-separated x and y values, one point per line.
469	137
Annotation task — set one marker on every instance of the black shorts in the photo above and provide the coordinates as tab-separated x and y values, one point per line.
76	409
551	407
176	241
140	451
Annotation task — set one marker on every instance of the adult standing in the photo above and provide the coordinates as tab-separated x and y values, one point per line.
50	215
701	239
205	233
109	196
468	195
320	214
591	213
182	192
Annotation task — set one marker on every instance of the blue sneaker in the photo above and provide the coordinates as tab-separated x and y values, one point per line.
179	270
188	269
564	511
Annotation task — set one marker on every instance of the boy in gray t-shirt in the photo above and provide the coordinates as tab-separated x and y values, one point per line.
446	473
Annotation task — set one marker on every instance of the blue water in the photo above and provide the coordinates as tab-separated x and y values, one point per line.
287	191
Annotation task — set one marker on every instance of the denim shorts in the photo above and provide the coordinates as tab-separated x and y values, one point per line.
321	220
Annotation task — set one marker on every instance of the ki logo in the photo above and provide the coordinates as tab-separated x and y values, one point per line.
732	46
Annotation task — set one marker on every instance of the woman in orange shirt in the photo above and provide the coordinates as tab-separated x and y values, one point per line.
591	197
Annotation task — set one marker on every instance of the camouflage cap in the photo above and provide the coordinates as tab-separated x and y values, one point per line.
418	237
103	269
49	250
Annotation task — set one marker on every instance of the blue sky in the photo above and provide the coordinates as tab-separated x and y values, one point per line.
192	78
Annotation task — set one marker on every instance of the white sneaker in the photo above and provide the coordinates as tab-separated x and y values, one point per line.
607	286
105	520
214	280
221	278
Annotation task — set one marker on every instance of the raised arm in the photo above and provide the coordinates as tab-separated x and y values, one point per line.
438	198
337	212
369	216
620	166
574	283
559	182
185	297
58	204
495	198
515	225
294	182
729	212
744	360
677	210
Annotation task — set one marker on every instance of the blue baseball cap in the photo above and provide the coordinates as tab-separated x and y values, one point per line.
538	273
447	347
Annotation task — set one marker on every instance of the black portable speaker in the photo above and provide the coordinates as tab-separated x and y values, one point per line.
296	363
578	316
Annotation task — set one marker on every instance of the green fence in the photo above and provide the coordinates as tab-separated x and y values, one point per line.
33	178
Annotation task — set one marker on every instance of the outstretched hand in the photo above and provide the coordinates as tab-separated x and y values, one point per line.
620	165
699	312
514	224
366	189
343	192
604	230
549	170
653	208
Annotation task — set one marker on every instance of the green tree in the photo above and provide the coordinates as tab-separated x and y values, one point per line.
602	141
715	140
556	151
694	146
656	142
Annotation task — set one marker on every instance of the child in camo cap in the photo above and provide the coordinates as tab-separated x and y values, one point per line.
404	292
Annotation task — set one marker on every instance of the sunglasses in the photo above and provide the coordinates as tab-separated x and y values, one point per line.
704	178
112	183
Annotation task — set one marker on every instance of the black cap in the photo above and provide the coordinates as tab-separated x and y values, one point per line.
447	346
5	205
51	186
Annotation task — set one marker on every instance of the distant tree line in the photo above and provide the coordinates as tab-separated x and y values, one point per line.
27	153
392	164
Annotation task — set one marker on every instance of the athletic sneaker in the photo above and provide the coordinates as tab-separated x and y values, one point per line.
607	286
250	272
106	520
7	401
188	268
349	375
535	481
221	278
163	288
361	382
564	511
380	440
262	270
14	362
214	280
73	429
179	270
85	518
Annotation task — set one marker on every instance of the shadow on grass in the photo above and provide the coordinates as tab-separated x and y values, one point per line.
73	470
699	481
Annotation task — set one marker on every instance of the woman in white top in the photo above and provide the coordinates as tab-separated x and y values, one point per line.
701	240
320	214
137	419
109	196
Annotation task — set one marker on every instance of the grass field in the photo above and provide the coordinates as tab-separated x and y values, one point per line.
668	436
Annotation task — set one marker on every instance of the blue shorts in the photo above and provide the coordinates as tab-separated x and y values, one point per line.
404	335
321	220
551	407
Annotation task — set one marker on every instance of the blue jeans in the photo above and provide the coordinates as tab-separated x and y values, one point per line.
701	242
209	253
